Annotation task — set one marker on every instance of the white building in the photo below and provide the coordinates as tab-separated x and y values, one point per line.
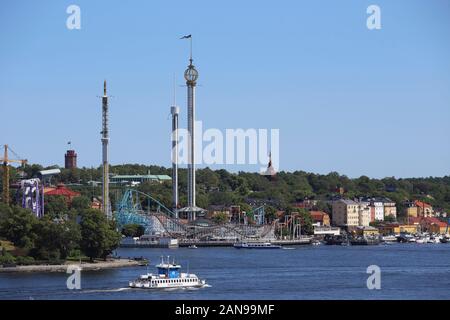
364	215
379	209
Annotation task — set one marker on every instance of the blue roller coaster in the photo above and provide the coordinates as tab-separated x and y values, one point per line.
137	207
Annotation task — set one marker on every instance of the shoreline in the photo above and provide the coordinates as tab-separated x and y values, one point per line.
96	266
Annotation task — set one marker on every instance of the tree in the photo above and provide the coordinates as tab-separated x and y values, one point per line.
98	236
56	206
81	203
55	240
133	230
270	213
220	218
17	226
306	221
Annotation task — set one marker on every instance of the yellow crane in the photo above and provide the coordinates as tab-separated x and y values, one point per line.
6	161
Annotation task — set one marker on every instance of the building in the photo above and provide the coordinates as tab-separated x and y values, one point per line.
364	215
396	228
320	218
430	224
411	211
378	209
70	159
345	213
324	231
306	204
366	231
390	209
136	179
423	209
96	204
61	190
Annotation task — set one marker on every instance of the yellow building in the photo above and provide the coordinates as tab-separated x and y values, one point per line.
408	228
412	212
367	231
395	228
345	213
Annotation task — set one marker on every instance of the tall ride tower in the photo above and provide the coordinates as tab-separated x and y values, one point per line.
175	111
191	76
105	141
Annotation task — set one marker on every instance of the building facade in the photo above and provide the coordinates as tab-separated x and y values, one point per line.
320	218
378	208
345	213
364	215
390	209
423	209
70	159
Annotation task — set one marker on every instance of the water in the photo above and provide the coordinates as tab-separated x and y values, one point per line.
409	271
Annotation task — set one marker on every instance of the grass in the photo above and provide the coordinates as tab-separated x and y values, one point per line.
7	245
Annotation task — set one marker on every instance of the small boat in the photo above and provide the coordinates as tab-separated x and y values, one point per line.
335	240
256	245
421	241
168	276
391	238
444	240
316	243
193	247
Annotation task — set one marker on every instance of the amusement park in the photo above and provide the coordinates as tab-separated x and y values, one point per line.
184	226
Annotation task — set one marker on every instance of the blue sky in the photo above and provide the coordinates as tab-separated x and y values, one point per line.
345	98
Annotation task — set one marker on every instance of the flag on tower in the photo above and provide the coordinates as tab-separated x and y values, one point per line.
187	37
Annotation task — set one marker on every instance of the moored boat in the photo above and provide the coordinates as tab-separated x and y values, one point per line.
256	245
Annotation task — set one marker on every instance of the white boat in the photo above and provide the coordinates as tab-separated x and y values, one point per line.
168	276
193	247
421	241
256	245
390	238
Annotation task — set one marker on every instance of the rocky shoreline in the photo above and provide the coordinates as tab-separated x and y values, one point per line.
99	265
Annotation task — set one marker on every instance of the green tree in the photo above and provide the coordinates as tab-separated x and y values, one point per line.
81	203
270	213
56	206
98	236
133	230
220	218
17	227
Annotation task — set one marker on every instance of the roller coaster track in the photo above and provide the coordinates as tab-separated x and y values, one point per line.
159	219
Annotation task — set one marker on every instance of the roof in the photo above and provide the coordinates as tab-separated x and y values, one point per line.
61	190
428	220
143	177
317	215
422	204
50	172
348	202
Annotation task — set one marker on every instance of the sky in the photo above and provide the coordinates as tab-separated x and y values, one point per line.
345	98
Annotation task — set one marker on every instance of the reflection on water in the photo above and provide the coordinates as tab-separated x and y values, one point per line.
409	271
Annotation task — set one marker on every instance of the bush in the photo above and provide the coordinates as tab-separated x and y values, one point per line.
25	261
7	258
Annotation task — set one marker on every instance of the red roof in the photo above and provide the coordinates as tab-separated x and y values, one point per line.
427	220
317	215
61	190
421	204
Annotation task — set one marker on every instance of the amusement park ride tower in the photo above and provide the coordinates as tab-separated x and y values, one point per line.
175	111
105	163
191	76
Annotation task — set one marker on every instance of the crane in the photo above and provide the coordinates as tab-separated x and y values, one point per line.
6	160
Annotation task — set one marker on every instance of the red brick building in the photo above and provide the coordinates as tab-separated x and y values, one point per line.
70	159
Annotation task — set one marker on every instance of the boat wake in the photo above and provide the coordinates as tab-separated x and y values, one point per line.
106	290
